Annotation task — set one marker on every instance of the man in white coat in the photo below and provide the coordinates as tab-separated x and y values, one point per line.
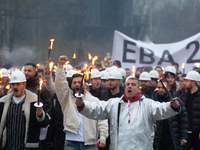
131	117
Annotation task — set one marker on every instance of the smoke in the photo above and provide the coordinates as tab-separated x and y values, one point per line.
18	57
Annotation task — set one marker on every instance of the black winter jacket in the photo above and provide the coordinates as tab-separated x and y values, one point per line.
178	125
181	94
195	99
56	123
106	94
32	85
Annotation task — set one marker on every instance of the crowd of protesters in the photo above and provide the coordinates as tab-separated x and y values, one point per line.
110	109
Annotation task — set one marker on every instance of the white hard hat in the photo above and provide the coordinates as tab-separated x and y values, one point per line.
108	69
115	74
170	69
145	76
154	74
70	73
4	72
17	77
104	75
114	67
192	75
95	73
122	71
68	68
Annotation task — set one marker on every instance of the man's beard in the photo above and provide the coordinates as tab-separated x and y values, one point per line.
162	95
189	88
112	88
144	89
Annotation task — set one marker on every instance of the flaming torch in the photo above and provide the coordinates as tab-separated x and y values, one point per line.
74	58
89	58
183	67
197	65
50	47
7	87
160	80
163	69
38	65
133	71
38	103
94	59
51	66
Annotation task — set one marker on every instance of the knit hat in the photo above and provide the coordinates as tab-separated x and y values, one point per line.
117	62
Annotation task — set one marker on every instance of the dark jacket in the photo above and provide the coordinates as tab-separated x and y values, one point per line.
177	125
106	94
181	94
174	87
195	110
33	123
95	93
32	85
148	93
56	123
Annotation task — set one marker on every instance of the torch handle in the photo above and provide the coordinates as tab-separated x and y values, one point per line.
170	96
80	89
49	54
38	101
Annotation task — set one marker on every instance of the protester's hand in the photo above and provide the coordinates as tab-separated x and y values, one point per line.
175	103
101	143
1	92
79	101
62	60
47	69
183	142
39	111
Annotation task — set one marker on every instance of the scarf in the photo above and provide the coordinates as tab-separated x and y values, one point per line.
133	99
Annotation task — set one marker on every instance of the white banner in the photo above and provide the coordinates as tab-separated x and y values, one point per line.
133	52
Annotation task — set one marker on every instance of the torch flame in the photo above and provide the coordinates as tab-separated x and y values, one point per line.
51	43
66	63
94	59
133	71
159	79
9	75
38	64
40	84
163	70
197	65
7	87
89	56
163	82
85	66
51	65
16	69
74	55
0	74
55	67
183	65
